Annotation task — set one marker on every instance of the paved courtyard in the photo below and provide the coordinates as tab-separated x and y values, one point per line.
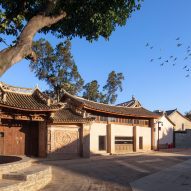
113	173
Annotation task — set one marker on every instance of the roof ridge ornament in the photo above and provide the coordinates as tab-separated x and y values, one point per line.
15	89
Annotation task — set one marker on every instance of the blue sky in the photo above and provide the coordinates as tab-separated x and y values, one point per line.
159	22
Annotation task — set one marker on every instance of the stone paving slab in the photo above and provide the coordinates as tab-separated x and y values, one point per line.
176	178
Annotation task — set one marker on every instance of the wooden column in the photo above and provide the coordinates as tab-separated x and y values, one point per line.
134	138
86	140
42	150
109	138
151	121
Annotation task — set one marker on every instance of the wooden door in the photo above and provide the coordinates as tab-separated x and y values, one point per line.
19	139
31	138
1	140
123	144
14	141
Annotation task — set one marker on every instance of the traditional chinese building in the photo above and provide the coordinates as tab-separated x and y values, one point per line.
94	128
24	114
31	124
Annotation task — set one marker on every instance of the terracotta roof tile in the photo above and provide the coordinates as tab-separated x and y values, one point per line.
118	110
32	100
67	115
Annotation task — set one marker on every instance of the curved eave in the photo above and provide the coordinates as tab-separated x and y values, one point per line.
28	109
122	114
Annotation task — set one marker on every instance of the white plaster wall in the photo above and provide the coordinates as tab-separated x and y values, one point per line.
119	130
144	132
96	130
179	120
166	132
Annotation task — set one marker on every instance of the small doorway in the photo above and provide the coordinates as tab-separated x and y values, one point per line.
102	143
140	142
1	142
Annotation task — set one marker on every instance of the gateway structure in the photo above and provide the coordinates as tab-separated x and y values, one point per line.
31	124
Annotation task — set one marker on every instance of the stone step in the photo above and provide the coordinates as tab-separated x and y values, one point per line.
14	166
31	173
8	185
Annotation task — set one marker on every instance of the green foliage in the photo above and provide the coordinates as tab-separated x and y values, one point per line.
57	68
109	93
88	18
114	83
91	91
188	115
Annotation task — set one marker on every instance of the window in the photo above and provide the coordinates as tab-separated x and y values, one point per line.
102	143
136	121
111	119
130	121
123	140
103	118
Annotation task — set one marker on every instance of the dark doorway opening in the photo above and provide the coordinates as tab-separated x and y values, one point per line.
102	143
140	142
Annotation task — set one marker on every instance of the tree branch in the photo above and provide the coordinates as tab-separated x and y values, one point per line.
23	48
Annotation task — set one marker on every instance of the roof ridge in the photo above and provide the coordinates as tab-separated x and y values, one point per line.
78	97
15	89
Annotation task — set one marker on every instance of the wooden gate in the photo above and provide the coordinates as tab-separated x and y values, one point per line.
19	139
123	144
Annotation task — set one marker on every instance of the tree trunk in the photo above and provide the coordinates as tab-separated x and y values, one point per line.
23	48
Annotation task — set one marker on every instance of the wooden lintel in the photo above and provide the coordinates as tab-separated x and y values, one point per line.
21	117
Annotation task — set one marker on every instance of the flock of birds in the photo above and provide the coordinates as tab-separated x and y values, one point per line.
173	59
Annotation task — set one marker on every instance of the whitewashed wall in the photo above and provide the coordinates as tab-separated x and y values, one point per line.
144	132
97	129
179	120
166	132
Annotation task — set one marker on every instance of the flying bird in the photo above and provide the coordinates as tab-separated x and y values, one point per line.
162	64
187	75
151	47
151	60
174	64
175	59
185	58
189	54
159	58
185	67
166	61
188	70
188	51
178	38
147	44
171	56
179	44
188	47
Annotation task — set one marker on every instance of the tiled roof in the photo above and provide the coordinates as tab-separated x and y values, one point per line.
25	99
115	110
131	103
159	112
67	115
169	112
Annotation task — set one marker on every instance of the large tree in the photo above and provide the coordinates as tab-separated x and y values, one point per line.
22	19
114	83
91	91
109	92
57	68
